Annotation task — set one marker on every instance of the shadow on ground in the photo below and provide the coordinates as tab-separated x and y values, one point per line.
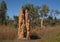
34	37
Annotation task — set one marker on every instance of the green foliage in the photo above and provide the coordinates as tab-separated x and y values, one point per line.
44	10
36	13
33	13
16	18
15	21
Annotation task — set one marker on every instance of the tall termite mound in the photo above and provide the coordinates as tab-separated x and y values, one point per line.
20	24
27	24
23	24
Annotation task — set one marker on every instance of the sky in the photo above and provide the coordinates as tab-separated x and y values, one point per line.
13	6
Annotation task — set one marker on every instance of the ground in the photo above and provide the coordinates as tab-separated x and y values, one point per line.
49	34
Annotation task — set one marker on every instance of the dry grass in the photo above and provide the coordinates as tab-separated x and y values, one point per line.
7	32
48	34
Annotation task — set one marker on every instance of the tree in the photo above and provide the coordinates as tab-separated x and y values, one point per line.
52	17
7	19
3	10
16	21
43	12
56	12
33	13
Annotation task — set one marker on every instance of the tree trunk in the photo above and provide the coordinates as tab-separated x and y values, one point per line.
41	23
42	20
